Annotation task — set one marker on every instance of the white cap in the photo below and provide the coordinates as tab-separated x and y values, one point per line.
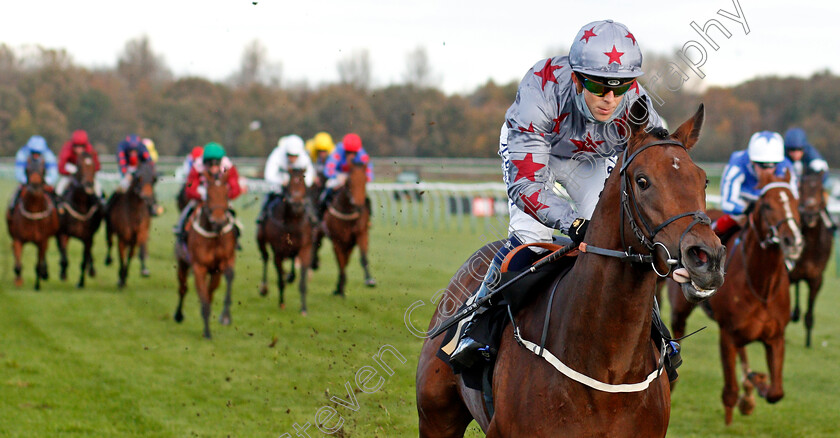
766	147
293	145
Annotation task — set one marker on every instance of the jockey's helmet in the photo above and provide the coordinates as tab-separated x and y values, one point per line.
352	143
766	147
37	144
323	142
213	151
795	138
606	49
293	145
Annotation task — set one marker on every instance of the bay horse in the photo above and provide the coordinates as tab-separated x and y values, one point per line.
819	237
34	219
754	303
129	217
347	223
287	228
82	216
600	312
210	250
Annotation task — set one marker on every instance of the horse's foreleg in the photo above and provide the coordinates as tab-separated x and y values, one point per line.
225	318
341	256
17	249
794	315
86	261
814	285
61	240
108	236
746	403
200	279
281	285
730	381
41	269
291	277
182	289
363	250
144	272
264	256
304	256
121	247
317	237
775	352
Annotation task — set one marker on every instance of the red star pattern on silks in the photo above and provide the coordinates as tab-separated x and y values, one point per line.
588	34
586	145
532	203
530	128
526	168
547	73
635	86
615	56
558	121
630	35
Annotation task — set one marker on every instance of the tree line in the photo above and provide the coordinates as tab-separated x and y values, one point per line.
42	91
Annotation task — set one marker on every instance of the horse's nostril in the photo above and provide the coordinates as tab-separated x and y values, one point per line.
702	257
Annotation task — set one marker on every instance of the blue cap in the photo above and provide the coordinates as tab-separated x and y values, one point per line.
37	144
795	138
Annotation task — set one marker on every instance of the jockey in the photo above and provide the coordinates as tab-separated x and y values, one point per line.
805	158
68	157
36	147
289	154
337	166
150	146
130	153
191	160
214	161
738	190
567	126
321	147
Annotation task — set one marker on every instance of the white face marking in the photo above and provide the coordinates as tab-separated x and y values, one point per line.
797	235
676	163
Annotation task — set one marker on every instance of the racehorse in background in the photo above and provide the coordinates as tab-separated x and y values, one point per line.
34	219
210	250
82	216
288	229
129	217
818	234
347	223
754	302
597	318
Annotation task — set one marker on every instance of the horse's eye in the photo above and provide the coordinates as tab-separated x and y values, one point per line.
642	182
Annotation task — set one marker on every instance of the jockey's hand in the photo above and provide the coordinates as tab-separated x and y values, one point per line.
202	191
341	178
70	168
578	229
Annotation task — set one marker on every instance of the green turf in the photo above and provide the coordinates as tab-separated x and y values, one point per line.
105	362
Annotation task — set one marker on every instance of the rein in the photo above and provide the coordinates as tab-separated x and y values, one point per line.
345	216
79	216
231	222
38	215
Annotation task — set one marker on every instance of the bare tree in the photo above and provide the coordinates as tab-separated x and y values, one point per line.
419	70
138	63
355	70
255	67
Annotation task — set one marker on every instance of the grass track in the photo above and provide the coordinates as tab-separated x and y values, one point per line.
103	362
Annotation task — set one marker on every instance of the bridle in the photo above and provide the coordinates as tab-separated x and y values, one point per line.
206	211
629	206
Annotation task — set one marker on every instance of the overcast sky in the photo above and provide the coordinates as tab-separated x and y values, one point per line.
468	42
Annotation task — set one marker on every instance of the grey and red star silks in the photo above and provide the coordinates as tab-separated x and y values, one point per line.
547	138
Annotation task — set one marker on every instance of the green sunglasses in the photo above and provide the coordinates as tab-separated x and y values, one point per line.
600	89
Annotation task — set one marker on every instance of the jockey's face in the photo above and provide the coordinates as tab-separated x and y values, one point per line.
322	155
78	149
292	159
796	154
602	108
350	156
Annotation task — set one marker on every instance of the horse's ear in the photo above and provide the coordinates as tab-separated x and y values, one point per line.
787	176
638	116
766	176
225	175
689	131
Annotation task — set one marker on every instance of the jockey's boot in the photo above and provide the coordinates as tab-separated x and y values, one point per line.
266	200
468	350
14	200
725	227
659	333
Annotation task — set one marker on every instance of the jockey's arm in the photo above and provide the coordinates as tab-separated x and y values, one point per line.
234	188
51	168
20	166
733	200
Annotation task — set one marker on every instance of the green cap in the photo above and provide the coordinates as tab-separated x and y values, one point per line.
213	151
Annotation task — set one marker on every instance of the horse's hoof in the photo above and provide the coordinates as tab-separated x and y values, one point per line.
18	282
282	306
746	404
179	317
224	320
728	417
207	336
80	285
37	287
120	284
92	273
290	278
794	315
108	261
303	313
263	290
145	273
370	282
62	276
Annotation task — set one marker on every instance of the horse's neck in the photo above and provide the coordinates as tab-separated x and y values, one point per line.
34	199
764	265
604	305
78	195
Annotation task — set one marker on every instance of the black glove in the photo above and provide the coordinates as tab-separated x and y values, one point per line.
578	229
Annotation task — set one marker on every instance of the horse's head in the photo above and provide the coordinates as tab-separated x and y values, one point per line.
775	215
215	207
85	172
35	170
356	184
296	190
664	202
812	198
143	181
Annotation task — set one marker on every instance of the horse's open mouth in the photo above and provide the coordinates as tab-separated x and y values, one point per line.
692	292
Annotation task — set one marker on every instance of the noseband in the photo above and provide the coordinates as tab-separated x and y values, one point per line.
630	205
772	237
